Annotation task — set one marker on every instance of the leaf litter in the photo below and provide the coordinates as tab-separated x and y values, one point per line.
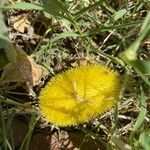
25	70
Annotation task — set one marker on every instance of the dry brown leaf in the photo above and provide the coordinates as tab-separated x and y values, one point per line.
24	70
21	23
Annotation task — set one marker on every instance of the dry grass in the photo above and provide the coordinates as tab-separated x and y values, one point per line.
63	34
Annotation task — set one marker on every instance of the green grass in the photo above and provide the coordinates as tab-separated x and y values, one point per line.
109	32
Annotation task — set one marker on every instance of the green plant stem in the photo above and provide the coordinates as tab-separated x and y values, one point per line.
11	102
2	131
114	123
72	19
26	141
40	41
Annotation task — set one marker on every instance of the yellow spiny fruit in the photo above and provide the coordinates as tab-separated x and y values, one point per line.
79	94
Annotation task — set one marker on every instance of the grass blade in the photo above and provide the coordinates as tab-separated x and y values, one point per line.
64	35
24	6
142	114
145	140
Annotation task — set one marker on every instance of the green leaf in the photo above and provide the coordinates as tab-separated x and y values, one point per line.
103	28
3	59
5	44
141	117
142	68
26	142
54	8
119	14
116	16
51	8
59	6
4	41
1	3
145	140
131	53
24	6
64	35
146	25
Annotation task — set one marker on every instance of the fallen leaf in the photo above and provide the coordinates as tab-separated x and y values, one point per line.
21	23
24	70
